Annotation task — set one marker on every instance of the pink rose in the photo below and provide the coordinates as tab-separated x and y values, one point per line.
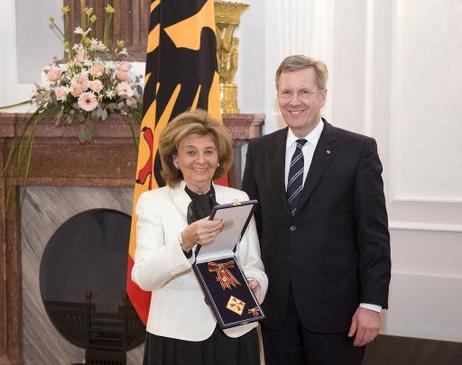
87	101
61	93
97	70
81	80
96	85
53	74
124	89
76	89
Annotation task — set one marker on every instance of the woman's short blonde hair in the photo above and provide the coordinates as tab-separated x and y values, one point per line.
185	124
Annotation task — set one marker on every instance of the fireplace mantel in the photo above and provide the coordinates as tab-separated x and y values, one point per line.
58	159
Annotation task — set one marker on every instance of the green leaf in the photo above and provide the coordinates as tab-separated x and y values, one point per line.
86	133
104	114
59	115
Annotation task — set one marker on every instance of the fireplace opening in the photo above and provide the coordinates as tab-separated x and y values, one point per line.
82	284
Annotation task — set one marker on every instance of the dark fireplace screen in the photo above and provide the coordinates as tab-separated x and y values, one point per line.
82	283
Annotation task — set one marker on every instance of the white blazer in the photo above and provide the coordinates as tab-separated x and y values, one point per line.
178	309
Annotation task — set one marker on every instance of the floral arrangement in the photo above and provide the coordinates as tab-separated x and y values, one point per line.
92	82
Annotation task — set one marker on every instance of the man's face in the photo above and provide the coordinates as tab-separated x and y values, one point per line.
300	100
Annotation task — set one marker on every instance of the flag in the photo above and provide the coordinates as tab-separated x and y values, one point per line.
181	74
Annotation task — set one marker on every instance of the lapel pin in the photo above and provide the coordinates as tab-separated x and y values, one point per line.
328	152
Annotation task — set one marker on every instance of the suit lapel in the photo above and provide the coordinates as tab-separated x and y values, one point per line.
279	163
323	155
220	194
180	198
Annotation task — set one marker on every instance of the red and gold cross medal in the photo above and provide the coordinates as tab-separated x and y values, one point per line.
224	276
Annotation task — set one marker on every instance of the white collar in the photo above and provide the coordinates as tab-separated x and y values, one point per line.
312	137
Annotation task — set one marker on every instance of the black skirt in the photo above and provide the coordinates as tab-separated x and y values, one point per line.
217	349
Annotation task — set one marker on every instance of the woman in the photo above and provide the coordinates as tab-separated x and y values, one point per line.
172	220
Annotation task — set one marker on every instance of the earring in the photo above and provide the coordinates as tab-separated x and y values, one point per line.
218	164
176	166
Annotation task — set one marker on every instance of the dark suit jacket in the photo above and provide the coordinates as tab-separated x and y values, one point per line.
335	251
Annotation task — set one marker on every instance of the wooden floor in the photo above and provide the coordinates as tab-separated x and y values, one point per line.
393	350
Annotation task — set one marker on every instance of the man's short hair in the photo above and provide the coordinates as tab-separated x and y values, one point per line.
300	62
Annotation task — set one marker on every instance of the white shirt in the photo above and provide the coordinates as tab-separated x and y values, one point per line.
308	148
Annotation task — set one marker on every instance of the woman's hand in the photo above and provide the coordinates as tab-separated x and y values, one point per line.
254	285
201	232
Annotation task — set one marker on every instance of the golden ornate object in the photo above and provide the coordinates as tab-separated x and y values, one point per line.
255	311
235	305
227	18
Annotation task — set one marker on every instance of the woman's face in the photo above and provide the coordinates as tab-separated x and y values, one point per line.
197	159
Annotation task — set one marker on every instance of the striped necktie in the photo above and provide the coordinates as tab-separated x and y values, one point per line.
295	180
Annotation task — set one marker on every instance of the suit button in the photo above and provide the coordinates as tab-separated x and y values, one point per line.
293	228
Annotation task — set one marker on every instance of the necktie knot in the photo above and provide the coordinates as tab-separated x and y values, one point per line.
301	143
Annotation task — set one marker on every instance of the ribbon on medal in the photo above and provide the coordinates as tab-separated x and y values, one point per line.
224	276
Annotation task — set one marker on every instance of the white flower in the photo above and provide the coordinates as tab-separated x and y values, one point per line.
87	101
96	45
110	65
110	94
80	31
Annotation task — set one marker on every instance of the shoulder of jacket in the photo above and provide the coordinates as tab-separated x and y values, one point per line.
154	194
269	138
347	135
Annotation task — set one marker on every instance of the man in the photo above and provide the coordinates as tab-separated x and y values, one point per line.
323	228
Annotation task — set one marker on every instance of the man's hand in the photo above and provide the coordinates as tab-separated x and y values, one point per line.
254	285
365	324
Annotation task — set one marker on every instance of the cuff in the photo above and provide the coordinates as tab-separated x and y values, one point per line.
372	307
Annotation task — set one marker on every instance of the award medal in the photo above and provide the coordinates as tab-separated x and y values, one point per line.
224	276
235	305
255	312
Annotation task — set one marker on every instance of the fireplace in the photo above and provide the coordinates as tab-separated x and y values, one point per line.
82	286
63	168
73	257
